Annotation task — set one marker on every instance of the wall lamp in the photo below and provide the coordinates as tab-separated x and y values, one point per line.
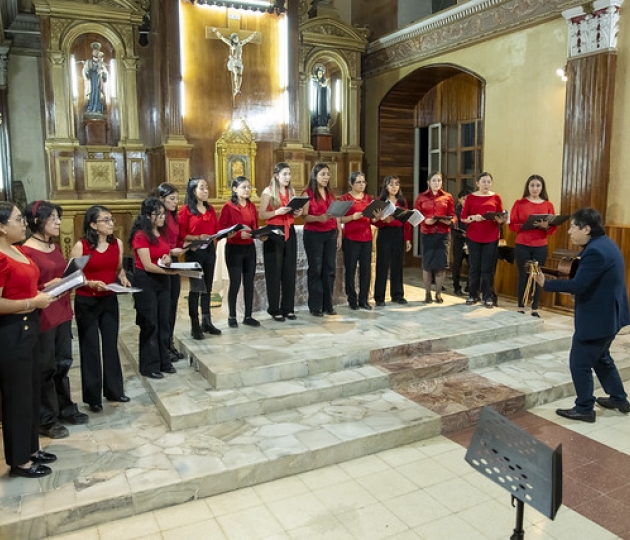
264	6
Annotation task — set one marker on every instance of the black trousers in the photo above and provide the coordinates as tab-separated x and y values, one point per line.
54	349
390	250
280	257
459	254
20	381
174	290
98	322
321	253
240	260
522	254
200	289
483	262
153	318
353	253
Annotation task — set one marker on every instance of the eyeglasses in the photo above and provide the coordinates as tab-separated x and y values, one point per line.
106	220
159	215
359	181
20	219
54	217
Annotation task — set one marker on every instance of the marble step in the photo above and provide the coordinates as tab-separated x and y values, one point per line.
226	364
508	387
220	458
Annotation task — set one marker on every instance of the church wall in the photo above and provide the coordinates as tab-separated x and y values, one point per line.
26	125
618	211
524	105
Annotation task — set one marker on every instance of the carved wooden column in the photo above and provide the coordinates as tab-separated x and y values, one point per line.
5	147
591	69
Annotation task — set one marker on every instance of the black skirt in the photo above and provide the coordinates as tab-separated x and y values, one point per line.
434	250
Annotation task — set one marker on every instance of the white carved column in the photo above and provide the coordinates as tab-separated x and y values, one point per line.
595	31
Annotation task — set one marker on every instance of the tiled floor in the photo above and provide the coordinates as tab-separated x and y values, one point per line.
424	490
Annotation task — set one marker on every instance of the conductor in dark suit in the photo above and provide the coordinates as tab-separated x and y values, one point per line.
601	310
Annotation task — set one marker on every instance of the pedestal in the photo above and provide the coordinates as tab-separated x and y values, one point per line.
322	142
95	131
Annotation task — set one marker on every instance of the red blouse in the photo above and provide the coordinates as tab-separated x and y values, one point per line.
485	231
51	265
318	208
521	210
196	225
18	280
172	230
407	231
156	251
430	205
285	220
358	230
232	213
101	267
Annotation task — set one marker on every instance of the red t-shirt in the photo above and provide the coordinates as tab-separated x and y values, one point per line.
101	267
231	214
485	231
430	205
285	220
156	251
358	230
521	210
196	225
51	265
407	231
18	280
318	208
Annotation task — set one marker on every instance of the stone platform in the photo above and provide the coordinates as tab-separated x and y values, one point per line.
264	403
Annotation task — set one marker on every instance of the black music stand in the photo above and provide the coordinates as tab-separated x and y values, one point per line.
518	462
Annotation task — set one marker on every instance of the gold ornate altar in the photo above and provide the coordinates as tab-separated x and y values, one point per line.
235	155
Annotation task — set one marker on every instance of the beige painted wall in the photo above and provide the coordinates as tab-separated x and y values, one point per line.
524	105
618	212
27	125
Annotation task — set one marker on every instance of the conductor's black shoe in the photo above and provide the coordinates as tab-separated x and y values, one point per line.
353	307
317	313
250	321
75	417
330	312
380	303
168	369
34	471
43	457
572	414
96	408
154	375
471	301
459	292
366	306
609	403
119	399
55	431
401	300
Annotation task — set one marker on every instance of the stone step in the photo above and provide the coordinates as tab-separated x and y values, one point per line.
226	364
229	456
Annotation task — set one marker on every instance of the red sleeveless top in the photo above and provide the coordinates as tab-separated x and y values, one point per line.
101	267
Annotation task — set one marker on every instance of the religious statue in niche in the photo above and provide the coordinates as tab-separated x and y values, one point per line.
95	76
235	59
320	115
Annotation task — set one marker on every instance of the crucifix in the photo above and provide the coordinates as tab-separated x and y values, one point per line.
235	39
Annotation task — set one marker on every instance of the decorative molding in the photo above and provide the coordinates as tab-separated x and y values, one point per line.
64	174
178	170
461	26
333	33
595	31
100	174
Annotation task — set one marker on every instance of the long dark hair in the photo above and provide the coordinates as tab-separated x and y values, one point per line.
164	190
150	206
385	195
312	182
37	212
191	199
543	191
6	209
235	183
89	233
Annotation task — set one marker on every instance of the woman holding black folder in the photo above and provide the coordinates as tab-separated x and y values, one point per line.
280	251
531	243
198	221
438	208
96	309
394	238
322	239
483	213
357	242
240	252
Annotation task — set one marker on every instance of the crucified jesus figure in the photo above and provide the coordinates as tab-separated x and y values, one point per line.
235	60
